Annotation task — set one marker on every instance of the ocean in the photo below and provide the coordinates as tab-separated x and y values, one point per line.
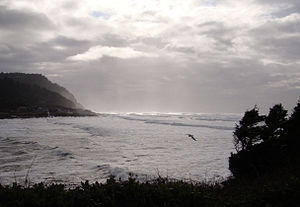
146	145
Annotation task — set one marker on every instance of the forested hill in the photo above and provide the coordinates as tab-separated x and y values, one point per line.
42	82
33	95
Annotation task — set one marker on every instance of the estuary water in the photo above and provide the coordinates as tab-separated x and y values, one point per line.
74	149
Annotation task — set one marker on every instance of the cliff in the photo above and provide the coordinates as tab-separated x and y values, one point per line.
27	95
42	82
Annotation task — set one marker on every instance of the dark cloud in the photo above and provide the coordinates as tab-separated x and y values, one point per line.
114	40
282	40
291	2
187	50
22	29
23	59
284	8
285	49
21	20
69	42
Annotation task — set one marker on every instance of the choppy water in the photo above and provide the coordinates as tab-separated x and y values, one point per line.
71	150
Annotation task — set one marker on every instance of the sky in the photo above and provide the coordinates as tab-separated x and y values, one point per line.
205	56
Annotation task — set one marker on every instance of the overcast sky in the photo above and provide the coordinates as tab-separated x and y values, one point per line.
158	55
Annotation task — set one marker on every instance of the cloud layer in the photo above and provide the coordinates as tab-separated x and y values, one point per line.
158	55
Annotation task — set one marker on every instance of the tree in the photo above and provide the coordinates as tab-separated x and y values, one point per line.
294	127
266	143
275	123
247	133
295	117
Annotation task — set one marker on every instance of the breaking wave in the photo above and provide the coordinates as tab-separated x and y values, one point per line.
71	150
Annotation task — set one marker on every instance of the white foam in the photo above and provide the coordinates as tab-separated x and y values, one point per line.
91	148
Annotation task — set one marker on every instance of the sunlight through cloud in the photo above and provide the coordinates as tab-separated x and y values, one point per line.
98	52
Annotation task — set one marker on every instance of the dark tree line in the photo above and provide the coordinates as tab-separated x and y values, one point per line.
265	140
255	128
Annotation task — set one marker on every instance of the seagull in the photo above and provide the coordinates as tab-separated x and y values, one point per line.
191	136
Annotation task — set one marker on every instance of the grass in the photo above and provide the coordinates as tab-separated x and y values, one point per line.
280	188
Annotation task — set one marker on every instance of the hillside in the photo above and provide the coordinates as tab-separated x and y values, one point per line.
41	81
33	95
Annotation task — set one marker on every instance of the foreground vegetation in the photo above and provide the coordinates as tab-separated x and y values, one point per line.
279	189
266	170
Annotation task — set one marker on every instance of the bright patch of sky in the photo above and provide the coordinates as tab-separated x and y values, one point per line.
99	51
211	3
100	14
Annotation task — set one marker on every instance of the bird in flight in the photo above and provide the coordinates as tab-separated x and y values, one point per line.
192	136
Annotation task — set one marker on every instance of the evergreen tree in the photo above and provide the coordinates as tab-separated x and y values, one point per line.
248	132
294	127
275	123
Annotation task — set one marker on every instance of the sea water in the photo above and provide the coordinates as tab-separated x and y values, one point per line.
74	149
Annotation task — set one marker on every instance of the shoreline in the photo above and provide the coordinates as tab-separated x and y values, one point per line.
47	113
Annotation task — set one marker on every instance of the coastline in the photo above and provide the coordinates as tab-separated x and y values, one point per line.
54	112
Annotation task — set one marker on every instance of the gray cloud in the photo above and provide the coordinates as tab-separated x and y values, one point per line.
68	42
268	2
284	8
219	32
279	39
187	50
204	60
114	40
20	20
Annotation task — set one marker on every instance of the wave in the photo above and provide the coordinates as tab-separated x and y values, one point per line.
190	125
62	123
94	131
101	167
124	174
227	119
142	113
180	124
18	144
120	173
117	172
61	153
201	116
